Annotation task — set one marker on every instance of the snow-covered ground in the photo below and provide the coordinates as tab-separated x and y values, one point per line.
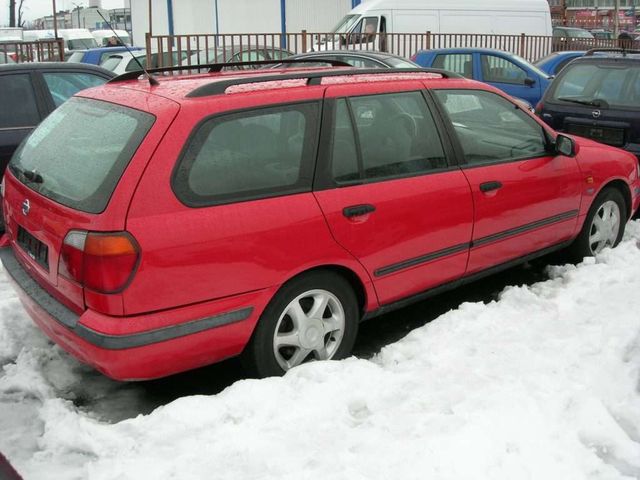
543	383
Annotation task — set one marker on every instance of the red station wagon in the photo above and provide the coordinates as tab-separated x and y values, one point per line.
265	214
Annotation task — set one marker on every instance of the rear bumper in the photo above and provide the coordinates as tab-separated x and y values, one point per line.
126	348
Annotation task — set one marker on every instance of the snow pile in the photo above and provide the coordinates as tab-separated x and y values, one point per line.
543	383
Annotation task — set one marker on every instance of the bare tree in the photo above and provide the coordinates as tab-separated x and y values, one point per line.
20	13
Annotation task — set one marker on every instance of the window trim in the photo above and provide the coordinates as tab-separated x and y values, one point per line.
457	145
324	177
263	194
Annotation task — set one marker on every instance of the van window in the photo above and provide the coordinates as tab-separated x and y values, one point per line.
249	155
80	151
461	63
396	134
364	32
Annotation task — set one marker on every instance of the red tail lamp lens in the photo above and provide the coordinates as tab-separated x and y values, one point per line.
103	262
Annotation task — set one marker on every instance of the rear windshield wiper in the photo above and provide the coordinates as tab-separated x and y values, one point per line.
31	176
595	102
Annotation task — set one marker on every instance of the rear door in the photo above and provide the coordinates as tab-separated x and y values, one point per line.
388	191
526	199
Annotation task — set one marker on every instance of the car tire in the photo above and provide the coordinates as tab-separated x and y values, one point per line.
314	316
603	227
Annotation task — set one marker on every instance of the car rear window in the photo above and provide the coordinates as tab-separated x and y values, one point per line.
602	86
78	154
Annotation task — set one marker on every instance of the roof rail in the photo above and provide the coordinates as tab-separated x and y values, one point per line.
217	67
313	78
623	51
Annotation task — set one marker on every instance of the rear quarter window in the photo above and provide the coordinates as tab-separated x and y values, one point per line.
80	151
249	155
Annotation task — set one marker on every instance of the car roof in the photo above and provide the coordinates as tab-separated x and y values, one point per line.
115	48
30	66
469	50
178	87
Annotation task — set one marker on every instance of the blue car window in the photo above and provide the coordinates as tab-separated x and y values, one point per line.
501	70
460	63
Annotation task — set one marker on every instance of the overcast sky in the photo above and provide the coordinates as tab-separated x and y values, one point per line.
39	8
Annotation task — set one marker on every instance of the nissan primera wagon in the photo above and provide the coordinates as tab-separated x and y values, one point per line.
265	214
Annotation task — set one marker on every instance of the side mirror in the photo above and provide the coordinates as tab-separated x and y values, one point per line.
529	82
566	146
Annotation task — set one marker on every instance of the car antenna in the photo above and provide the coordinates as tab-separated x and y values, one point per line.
151	78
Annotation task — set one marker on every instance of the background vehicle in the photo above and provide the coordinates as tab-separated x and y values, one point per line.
236	53
6	58
240	213
30	91
602	34
74	38
570	38
365	26
552	64
124	62
503	70
103	36
358	59
597	96
96	56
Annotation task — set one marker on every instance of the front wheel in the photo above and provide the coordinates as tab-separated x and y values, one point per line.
313	317
603	227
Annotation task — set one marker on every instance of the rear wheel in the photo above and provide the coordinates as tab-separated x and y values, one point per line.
313	317
604	225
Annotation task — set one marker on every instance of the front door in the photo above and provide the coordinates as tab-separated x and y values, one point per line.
526	199
389	194
504	74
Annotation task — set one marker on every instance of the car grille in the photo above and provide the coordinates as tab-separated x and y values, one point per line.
34	247
610	136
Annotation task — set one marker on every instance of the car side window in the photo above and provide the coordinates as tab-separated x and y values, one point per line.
358	62
461	63
64	85
17	97
396	134
248	56
501	70
249	155
491	129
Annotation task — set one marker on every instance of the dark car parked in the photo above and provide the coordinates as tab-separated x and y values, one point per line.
30	91
597	96
357	58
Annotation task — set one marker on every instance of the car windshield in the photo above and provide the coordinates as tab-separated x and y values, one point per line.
345	24
78	153
76	57
81	43
400	63
599	86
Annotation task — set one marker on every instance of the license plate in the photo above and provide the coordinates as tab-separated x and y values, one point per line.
610	136
33	247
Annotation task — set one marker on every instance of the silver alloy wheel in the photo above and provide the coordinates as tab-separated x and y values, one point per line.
310	326
605	227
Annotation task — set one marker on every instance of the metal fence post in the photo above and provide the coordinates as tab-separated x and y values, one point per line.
304	41
147	41
523	39
428	41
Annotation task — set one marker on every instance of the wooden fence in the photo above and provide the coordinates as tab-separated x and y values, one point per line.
40	51
206	48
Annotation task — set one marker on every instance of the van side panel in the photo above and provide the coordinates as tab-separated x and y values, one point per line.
495	22
416	21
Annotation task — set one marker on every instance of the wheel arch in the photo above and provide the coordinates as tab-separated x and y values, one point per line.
624	189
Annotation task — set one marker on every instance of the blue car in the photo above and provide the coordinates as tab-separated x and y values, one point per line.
95	56
506	71
552	64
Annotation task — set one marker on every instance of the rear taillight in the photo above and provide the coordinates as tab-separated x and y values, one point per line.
104	262
539	106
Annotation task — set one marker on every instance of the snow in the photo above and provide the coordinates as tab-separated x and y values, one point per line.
542	383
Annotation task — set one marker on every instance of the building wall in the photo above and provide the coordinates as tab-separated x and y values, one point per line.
314	15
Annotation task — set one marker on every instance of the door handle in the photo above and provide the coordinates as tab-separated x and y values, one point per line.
357	210
489	186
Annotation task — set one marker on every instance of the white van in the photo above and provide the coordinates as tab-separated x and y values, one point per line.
103	36
374	18
74	38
